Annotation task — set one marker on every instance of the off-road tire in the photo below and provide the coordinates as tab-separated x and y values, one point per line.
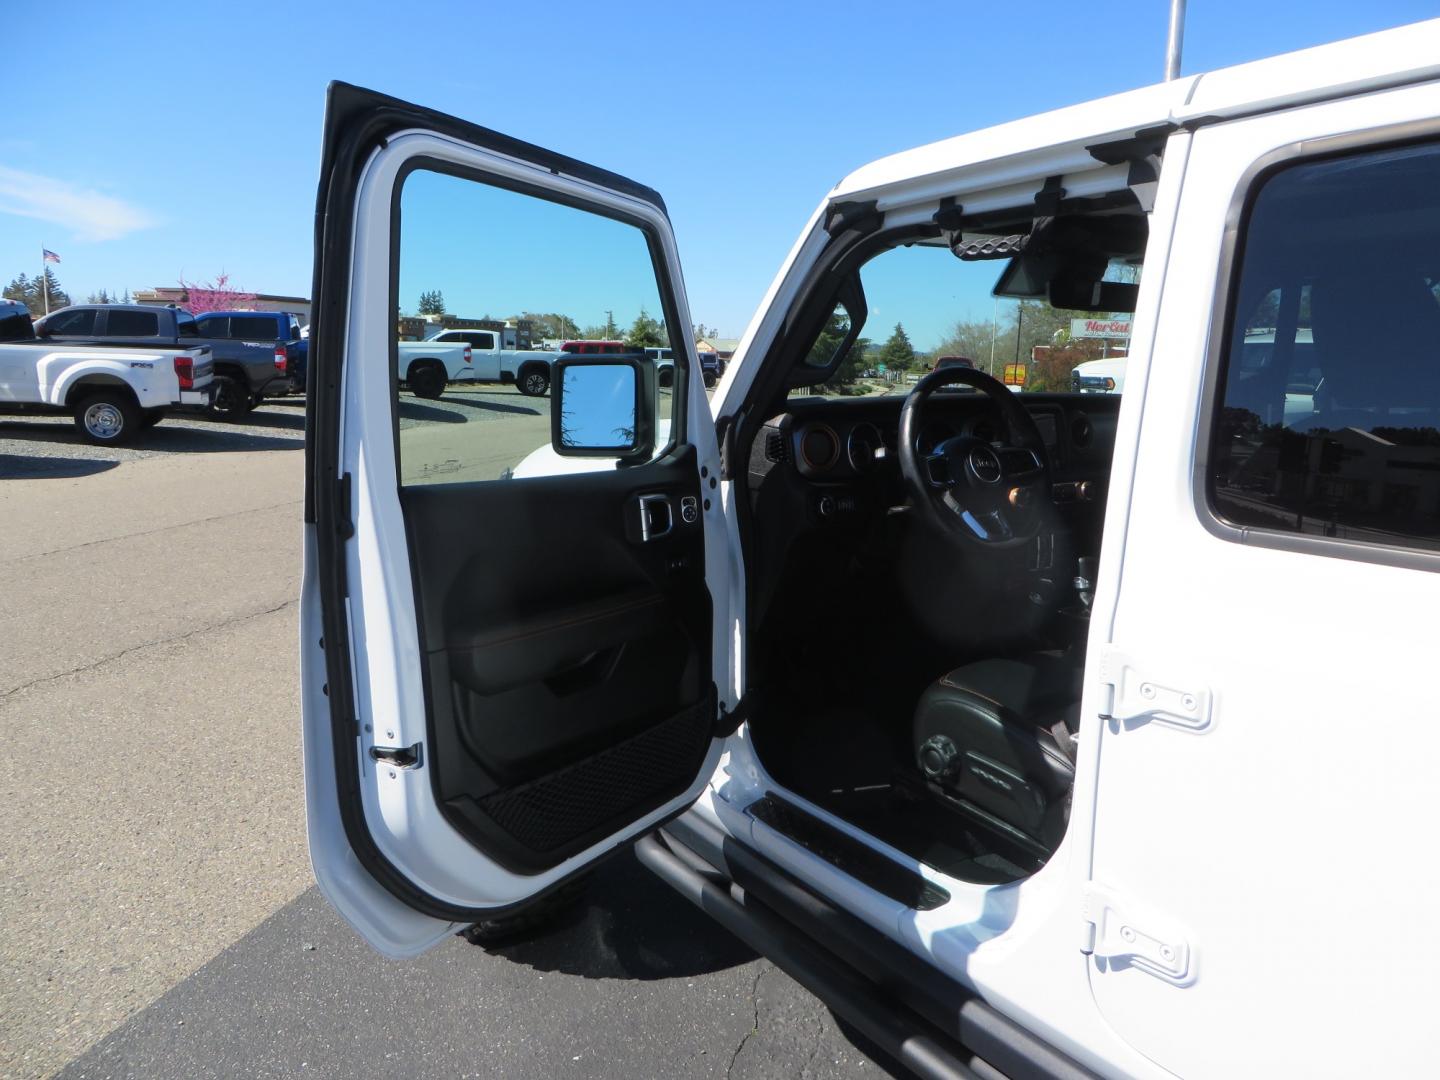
426	379
229	399
534	381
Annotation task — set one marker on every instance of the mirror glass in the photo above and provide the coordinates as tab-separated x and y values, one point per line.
597	406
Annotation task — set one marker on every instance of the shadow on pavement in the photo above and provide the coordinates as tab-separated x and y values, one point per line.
21	467
264	417
492	406
413	410
630	925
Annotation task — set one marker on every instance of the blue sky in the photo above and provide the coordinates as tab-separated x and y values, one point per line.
146	145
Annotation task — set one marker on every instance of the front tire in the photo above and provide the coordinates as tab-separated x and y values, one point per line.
108	418
534	382
229	400
427	380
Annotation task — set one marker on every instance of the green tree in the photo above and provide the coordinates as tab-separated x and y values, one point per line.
700	330
610	331
971	340
32	292
897	354
550	325
101	297
645	332
19	290
432	303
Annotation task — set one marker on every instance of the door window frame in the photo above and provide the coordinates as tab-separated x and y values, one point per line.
680	414
1224	312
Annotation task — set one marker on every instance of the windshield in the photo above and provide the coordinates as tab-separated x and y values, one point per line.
927	310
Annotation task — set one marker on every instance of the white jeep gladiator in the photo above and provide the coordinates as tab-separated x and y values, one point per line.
1038	732
113	393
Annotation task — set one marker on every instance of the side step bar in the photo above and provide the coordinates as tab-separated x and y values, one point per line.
843	991
920	997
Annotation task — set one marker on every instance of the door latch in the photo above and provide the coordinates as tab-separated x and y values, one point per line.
397	757
1123	937
1137	698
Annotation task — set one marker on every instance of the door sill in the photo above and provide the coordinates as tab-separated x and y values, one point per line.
848	855
928	1022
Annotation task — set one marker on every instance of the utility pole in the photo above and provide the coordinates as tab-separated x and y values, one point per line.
994	318
1176	40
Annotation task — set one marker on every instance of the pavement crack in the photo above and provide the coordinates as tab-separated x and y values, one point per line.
150	532
755	1024
221	625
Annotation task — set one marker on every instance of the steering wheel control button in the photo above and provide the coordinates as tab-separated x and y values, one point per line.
689	509
1020	497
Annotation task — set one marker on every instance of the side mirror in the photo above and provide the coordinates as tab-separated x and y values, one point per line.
602	407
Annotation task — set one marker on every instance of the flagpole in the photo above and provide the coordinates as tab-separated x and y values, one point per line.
45	280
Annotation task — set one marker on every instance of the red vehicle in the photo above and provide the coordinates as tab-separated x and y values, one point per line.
595	348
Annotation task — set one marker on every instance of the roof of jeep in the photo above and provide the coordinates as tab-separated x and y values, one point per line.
1406	54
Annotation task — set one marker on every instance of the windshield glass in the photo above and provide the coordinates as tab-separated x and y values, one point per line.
928	310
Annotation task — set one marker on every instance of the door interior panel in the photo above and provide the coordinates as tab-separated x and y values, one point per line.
567	658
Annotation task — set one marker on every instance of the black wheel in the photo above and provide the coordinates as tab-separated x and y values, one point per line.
534	382
533	919
229	399
709	379
108	418
427	380
152	417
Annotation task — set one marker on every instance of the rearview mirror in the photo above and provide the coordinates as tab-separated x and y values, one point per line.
600	407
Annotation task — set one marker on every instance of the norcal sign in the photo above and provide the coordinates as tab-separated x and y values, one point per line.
1100	328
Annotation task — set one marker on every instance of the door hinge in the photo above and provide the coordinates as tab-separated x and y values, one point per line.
1138	698
1121	936
728	721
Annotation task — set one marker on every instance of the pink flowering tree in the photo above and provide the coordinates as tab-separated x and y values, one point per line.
217	295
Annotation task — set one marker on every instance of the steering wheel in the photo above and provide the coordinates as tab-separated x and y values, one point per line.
993	495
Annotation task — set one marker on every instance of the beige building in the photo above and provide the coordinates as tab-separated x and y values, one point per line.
296	305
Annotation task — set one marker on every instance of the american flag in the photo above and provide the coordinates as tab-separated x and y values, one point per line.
50	256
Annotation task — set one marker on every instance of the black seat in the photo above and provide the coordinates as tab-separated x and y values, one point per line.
998	738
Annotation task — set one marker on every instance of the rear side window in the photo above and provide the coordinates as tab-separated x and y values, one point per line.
132	324
252	328
216	326
1328	422
80	323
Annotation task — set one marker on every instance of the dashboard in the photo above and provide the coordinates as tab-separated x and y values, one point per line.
855	440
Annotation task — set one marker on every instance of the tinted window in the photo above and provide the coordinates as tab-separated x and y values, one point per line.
215	326
482	341
185	326
132	324
1329	422
71	322
252	327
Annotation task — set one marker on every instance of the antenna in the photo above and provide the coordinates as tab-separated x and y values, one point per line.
1176	40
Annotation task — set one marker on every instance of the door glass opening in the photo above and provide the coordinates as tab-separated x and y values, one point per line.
492	286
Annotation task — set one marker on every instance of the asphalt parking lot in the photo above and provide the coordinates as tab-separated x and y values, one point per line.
160	915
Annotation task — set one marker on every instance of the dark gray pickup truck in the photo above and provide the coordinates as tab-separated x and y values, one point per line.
258	354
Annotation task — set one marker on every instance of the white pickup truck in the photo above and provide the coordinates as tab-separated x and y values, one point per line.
528	369
113	394
427	367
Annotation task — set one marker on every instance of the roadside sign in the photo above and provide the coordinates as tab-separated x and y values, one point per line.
1014	375
1118	327
880	368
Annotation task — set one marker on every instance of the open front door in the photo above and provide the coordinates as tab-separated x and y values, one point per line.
508	631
